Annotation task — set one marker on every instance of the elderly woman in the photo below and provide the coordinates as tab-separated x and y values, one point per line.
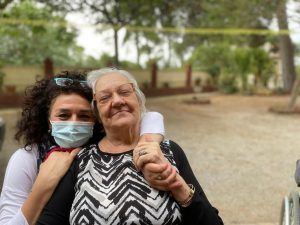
119	182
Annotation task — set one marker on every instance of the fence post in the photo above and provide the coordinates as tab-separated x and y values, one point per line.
188	75
153	75
48	68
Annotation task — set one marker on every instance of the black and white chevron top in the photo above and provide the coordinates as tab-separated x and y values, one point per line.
109	190
102	188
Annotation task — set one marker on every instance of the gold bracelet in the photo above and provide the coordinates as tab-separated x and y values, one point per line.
188	200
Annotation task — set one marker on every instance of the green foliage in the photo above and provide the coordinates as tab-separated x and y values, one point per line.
263	67
5	3
212	59
227	65
227	83
28	44
226	14
105	61
117	14
241	65
129	65
254	14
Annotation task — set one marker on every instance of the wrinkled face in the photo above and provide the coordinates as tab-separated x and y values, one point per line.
71	107
117	102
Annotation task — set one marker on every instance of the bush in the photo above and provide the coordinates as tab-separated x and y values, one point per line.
227	84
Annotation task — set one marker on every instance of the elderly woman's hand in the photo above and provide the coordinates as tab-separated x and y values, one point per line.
147	152
161	176
157	170
165	178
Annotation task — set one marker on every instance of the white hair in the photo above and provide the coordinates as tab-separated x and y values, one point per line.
94	75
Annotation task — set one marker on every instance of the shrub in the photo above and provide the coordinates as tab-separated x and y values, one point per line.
227	84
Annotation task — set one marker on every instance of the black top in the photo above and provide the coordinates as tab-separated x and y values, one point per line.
109	190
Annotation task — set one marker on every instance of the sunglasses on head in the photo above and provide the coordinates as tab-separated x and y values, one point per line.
64	81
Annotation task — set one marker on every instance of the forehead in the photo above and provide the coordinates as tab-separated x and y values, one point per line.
69	101
110	81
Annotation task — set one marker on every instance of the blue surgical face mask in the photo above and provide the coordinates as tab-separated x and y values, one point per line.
71	134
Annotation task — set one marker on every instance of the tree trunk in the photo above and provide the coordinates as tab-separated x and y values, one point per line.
116	38
286	48
169	52
295	93
138	52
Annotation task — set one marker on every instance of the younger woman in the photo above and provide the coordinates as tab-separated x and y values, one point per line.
56	118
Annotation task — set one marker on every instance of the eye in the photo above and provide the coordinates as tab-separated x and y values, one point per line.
104	98
63	116
85	117
125	92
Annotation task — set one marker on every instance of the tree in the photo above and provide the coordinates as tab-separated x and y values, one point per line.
31	44
262	66
114	13
242	65
212	58
4	3
286	48
227	14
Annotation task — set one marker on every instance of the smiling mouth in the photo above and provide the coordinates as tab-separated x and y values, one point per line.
120	111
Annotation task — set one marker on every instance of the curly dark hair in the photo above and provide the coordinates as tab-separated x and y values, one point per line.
33	126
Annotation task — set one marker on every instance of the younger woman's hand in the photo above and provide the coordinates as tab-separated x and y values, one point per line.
55	167
51	172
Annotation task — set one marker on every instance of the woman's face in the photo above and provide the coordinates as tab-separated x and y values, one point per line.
70	107
117	102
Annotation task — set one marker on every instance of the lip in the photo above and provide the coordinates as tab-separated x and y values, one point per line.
119	111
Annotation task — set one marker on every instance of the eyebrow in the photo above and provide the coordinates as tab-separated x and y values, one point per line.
109	89
81	111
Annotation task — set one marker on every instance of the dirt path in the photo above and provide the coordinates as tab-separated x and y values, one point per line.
243	156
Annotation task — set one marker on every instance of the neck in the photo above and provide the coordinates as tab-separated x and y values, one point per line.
120	140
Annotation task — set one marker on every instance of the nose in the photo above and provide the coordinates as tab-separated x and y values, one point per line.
117	100
74	117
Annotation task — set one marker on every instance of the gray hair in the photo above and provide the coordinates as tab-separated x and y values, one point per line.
93	77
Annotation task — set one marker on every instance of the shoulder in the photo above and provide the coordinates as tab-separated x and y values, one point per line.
21	170
175	150
171	146
24	159
25	155
171	151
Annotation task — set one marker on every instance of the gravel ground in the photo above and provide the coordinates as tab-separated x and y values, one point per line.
243	155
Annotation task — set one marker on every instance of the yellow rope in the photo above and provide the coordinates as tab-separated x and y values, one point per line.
199	31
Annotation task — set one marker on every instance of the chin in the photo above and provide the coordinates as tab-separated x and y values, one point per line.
124	121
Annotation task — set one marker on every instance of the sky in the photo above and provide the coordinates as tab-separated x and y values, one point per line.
96	43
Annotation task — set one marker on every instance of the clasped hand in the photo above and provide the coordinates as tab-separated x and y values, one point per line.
157	170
